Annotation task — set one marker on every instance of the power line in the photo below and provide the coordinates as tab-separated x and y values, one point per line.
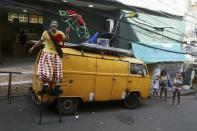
109	16
102	31
115	18
176	9
176	52
161	49
182	34
161	35
145	34
145	14
137	10
151	31
166	50
175	17
151	36
147	24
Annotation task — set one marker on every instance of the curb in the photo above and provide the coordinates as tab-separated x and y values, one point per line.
185	92
189	93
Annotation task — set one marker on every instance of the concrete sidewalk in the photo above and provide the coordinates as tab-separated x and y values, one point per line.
19	82
184	92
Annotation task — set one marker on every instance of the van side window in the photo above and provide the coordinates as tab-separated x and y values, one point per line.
137	69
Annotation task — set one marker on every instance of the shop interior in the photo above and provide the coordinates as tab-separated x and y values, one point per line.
19	30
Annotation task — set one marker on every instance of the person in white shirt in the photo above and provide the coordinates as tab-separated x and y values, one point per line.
156	86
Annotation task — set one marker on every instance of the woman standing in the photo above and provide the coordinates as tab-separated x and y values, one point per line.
163	84
177	85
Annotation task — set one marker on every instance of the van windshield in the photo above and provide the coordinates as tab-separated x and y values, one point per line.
137	69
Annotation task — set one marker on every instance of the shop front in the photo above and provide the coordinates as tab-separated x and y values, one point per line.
22	23
20	28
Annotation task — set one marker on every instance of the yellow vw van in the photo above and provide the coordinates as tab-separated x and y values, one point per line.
93	73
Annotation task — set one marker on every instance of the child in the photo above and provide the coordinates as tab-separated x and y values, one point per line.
156	86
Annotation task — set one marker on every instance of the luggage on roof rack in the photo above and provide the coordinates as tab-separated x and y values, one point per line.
87	47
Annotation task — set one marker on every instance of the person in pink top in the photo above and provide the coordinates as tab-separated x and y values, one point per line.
177	85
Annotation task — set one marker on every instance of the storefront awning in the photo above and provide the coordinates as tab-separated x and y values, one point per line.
159	52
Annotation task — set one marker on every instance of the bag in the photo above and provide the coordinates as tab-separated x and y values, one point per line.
162	83
170	83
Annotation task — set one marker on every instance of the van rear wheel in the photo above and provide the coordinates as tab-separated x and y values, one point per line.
68	105
131	101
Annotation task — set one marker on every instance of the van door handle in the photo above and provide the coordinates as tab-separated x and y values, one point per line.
130	81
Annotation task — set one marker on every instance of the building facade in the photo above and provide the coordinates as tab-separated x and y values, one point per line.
35	16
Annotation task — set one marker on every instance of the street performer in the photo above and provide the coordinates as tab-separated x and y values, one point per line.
50	62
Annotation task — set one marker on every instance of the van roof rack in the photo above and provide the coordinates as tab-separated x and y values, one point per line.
87	47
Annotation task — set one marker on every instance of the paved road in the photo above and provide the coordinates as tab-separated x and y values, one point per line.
153	115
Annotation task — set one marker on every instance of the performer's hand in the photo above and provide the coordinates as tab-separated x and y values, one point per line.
31	50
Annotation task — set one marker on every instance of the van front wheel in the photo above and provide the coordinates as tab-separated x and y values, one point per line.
131	101
68	105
